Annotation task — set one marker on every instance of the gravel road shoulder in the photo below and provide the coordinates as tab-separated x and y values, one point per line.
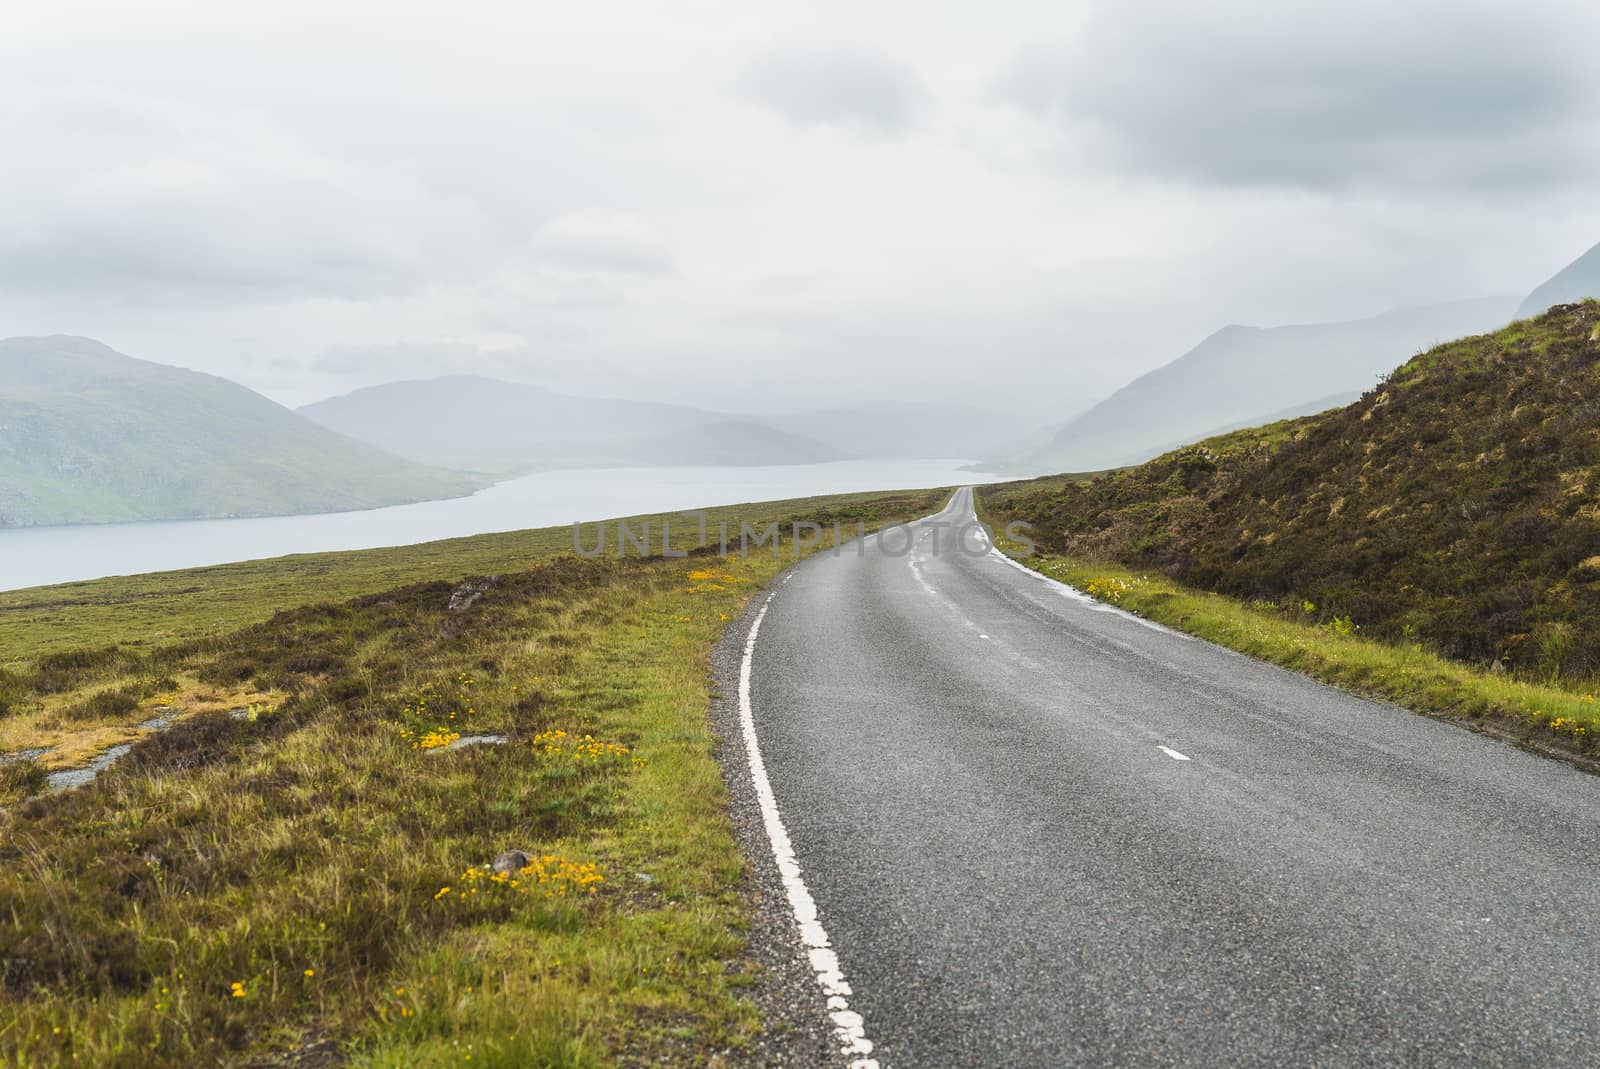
796	1029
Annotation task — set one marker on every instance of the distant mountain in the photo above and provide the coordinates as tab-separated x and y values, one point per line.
1028	438
1451	506
88	435
1579	279
1243	375
492	426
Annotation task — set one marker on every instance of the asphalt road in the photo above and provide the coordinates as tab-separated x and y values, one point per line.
985	785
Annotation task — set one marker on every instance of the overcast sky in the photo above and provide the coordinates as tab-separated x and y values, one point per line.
766	205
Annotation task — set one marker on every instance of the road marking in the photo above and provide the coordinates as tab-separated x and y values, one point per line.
1073	593
1174	754
848	1027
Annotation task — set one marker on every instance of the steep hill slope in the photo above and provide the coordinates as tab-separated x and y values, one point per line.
1457	503
1579	279
484	424
88	435
1242	375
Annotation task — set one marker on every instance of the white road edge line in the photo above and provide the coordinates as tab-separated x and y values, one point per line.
848	1027
1170	752
1072	592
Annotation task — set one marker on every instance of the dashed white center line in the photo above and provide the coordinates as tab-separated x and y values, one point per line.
1174	754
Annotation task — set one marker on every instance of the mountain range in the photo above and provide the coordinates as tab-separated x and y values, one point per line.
88	435
483	424
1242	375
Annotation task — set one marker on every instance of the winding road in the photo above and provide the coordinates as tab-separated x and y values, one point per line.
1038	831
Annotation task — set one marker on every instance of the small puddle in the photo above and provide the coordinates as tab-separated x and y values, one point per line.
77	777
68	778
477	740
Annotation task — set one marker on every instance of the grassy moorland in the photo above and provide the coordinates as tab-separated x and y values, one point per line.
1436	543
292	873
143	612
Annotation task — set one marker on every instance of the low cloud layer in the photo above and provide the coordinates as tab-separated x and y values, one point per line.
1023	206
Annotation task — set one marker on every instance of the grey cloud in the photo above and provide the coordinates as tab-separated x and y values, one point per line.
614	243
815	84
108	254
128	195
1365	94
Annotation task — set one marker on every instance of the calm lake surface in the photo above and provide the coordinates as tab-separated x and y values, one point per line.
40	555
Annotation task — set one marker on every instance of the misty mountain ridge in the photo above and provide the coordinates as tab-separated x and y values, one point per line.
476	423
90	435
489	425
1243	375
1576	281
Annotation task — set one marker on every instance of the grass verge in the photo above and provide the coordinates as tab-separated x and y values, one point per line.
301	881
1545	718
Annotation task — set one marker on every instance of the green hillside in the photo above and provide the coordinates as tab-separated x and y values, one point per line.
1454	505
88	435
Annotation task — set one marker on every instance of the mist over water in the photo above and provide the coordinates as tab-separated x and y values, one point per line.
41	555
